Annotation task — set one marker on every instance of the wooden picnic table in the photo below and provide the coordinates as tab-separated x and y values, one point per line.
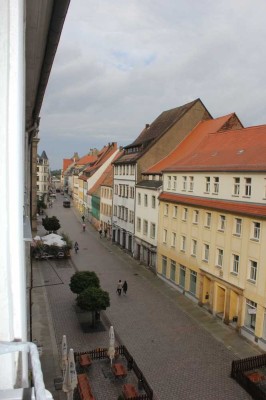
119	370
129	391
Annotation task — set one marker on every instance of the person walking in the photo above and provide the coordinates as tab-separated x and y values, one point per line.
124	287
83	227
100	232
76	247
83	218
119	287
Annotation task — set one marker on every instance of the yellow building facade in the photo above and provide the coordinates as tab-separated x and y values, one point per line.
212	229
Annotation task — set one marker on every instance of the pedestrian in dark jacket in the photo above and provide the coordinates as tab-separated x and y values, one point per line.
124	287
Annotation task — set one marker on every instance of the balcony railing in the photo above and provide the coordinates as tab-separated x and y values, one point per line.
38	390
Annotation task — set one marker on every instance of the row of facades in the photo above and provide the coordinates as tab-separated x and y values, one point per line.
187	199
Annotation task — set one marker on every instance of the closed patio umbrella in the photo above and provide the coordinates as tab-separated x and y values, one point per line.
111	350
70	379
64	354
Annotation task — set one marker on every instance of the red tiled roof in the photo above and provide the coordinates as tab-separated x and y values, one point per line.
107	177
104	154
88	158
83	177
66	163
235	207
235	150
192	141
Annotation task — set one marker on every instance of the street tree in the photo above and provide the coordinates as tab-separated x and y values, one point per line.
82	280
93	299
51	224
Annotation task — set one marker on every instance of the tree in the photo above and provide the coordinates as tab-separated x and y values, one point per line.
41	204
83	280
51	224
93	299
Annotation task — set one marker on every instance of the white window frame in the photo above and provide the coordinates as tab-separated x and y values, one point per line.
173	239
220	257
153	230
175	209
248	183
191	183
207	184
256	228
206	252
166	209
216	183
194	247
222	223
153	201
165	236
253	270
208	219
139	224
174	182
236	187
185	213
183	243
184	183
238	226
145	227
195	216
235	263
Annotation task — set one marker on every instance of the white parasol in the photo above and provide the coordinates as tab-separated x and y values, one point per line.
70	379
64	354
111	350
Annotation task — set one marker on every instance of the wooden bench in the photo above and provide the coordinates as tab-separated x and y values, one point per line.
85	360
129	391
84	388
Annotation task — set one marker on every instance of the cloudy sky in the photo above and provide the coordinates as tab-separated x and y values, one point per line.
120	63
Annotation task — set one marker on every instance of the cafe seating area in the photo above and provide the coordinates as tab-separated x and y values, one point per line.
122	377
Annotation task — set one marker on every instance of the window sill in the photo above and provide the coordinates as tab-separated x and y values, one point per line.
195	223
220	230
236	234
251	281
234	273
206	261
255	240
193	255
218	266
235	195
215	194
246	197
183	251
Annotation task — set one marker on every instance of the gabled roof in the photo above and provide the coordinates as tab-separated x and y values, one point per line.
152	133
104	154
234	150
83	178
87	159
66	163
106	179
95	189
192	141
236	207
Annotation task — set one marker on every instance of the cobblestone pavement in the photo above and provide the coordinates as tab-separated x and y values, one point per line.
182	350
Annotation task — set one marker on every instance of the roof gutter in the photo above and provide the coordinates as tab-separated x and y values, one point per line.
59	12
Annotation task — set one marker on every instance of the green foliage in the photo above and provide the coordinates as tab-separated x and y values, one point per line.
41	204
56	173
66	238
82	280
51	224
93	299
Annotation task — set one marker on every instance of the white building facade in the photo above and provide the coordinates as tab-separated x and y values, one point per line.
146	222
123	224
43	176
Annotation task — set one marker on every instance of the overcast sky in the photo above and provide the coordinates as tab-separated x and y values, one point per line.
120	63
